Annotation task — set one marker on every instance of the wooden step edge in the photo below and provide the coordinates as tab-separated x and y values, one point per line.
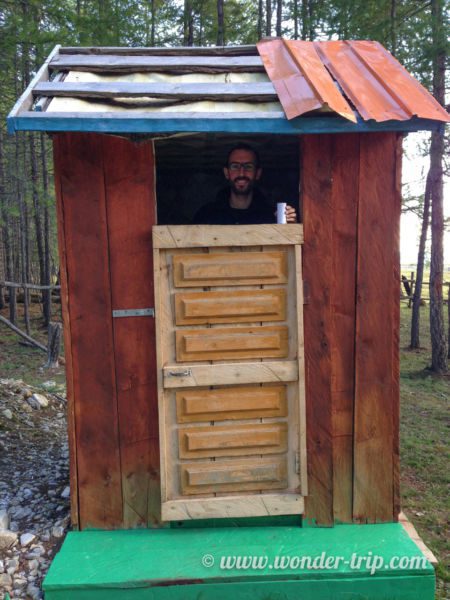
415	537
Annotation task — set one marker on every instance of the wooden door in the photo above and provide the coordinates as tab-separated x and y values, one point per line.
228	308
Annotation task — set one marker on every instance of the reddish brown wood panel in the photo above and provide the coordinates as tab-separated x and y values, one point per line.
130	195
396	345
316	182
67	341
376	353
80	173
343	277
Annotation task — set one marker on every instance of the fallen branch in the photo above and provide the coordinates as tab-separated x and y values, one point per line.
29	286
23	334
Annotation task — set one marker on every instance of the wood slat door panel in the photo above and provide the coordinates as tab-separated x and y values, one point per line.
203	308
234	476
232	440
231	403
231	343
200	270
230	382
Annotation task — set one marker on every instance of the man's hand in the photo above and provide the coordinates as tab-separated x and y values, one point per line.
291	215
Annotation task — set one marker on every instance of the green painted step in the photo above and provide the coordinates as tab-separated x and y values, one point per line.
188	564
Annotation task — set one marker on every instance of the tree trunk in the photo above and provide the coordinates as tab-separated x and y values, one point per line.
415	317
260	26
295	18
393	22
437	330
268	18
153	24
188	23
305	20
37	209
279	17
46	294
220	24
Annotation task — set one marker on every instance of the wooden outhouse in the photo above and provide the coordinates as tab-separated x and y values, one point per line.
233	390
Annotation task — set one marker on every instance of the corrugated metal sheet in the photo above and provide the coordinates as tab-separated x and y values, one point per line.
312	75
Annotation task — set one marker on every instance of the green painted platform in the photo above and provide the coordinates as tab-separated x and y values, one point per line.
188	564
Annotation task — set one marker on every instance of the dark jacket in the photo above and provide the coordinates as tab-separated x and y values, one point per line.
221	213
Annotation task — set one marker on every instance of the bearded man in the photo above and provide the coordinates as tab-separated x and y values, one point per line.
242	203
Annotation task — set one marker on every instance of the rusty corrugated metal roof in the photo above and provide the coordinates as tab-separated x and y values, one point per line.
340	74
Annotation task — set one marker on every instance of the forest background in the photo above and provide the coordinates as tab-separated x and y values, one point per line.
415	31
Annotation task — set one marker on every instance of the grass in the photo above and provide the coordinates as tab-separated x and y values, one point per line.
18	361
424	450
424	428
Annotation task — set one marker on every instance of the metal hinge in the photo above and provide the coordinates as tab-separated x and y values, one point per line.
134	312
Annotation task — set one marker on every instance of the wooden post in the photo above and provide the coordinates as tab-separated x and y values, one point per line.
53	345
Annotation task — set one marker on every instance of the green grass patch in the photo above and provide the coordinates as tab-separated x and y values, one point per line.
18	361
424	450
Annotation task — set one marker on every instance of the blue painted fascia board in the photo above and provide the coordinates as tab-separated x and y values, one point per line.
168	123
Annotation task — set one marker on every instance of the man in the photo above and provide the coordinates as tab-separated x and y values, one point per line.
243	203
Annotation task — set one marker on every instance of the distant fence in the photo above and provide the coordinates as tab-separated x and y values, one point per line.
408	288
54	329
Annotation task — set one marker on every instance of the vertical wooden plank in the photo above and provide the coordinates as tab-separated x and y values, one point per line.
396	339
80	174
131	209
74	511
376	355
343	277
316	182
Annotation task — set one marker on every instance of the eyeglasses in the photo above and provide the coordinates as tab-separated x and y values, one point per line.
237	166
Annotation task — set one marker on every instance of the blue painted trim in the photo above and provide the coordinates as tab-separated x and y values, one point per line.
169	123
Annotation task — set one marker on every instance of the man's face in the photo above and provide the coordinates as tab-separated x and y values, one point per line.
242	171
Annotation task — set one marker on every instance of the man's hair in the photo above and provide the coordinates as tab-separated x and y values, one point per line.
243	146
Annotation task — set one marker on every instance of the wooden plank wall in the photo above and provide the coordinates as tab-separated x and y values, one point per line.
106	208
351	212
351	208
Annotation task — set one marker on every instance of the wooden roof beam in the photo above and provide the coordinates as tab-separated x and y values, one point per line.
132	64
250	92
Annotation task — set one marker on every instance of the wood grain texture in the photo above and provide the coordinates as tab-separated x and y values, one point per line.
81	178
230	374
129	184
396	346
237	475
245	92
71	426
229	269
247	50
121	63
232	440
231	403
233	506
376	353
345	193
234	306
316	183
231	343
199	236
301	402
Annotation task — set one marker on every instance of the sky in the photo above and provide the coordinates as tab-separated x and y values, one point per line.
415	168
